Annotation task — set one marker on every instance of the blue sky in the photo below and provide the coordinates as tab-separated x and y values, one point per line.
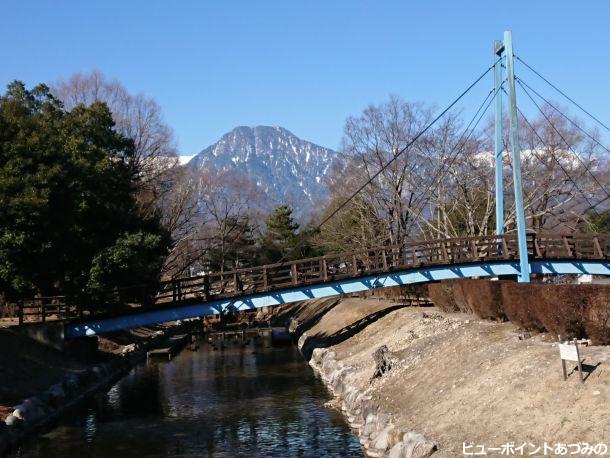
304	65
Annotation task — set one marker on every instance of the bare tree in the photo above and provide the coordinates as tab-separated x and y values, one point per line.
443	185
138	118
181	216
372	139
164	187
229	210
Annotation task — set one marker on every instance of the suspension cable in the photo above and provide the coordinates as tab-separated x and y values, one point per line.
462	141
564	140
563	93
545	100
390	162
567	174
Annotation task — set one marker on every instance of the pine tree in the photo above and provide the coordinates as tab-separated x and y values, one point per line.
280	237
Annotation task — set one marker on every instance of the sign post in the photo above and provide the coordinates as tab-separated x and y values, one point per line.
570	352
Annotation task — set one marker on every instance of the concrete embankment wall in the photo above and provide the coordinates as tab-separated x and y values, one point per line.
569	310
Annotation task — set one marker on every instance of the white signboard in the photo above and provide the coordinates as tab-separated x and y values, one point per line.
568	352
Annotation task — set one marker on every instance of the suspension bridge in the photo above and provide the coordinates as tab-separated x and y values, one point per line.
519	254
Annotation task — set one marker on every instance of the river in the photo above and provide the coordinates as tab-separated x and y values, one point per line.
252	401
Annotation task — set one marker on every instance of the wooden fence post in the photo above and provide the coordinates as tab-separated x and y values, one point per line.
206	287
598	248
20	311
444	251
293	273
265	279
324	269
537	250
566	245
505	253
475	253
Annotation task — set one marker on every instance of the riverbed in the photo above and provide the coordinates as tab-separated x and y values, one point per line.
252	400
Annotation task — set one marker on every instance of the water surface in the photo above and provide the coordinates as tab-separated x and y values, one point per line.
252	401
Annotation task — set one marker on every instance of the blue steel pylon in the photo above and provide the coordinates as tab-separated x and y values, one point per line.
506	48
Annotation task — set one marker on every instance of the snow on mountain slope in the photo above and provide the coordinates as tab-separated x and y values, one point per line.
283	166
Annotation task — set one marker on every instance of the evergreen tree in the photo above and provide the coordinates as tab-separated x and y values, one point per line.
69	221
281	239
599	222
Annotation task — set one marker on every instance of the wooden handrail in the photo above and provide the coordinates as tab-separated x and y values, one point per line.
355	263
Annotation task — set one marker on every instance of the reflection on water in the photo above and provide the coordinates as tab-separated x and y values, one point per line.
251	401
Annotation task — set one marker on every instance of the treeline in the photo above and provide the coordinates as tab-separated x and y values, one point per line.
93	198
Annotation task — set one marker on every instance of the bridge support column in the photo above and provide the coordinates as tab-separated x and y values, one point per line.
499	141
524	275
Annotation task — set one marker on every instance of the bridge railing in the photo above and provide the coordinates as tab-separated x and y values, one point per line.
381	259
45	308
273	277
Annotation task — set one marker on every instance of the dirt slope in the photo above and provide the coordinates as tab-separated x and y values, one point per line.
461	379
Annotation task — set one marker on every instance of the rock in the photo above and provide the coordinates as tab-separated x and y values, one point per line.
413	445
382	420
301	342
432	316
337	380
328	366
383	362
383	439
370	426
367	408
29	410
71	383
99	372
56	395
12	420
398	451
57	391
293	326
524	335
329	354
128	348
417	446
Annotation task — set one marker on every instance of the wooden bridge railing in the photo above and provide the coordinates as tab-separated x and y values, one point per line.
378	260
45	307
303	272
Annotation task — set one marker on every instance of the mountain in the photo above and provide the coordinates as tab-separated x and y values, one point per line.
284	167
